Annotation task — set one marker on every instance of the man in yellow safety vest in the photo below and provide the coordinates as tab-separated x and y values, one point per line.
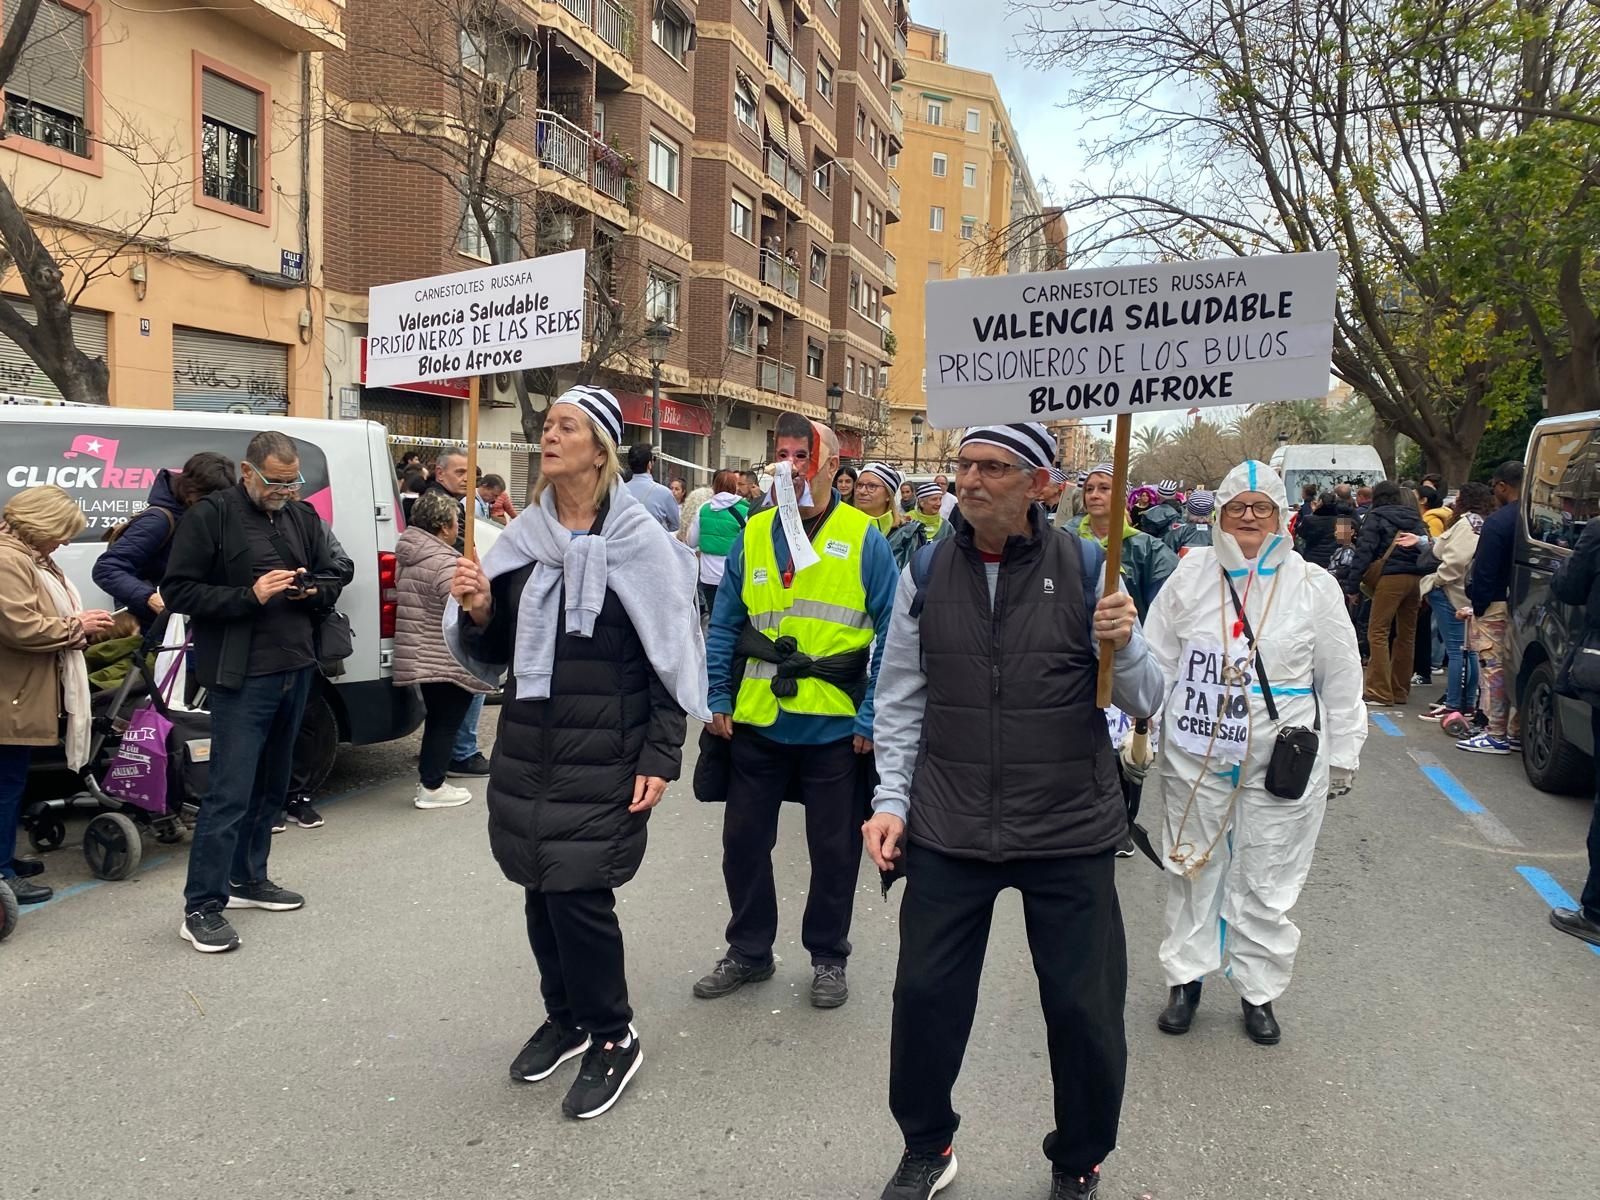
796	634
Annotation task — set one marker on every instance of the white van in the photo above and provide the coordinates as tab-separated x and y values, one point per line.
1326	465
107	458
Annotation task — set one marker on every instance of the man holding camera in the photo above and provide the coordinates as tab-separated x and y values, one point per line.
254	570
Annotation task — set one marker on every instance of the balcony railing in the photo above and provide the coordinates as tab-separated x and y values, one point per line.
889	267
785	173
563	145
894	194
897	121
776	376
578	8
610	174
232	190
614	24
789	69
780	273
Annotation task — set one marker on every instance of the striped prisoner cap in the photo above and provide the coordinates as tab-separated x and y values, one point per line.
928	490
891	477
1167	489
1104	468
1028	440
1200	504
1083	478
1057	476
600	406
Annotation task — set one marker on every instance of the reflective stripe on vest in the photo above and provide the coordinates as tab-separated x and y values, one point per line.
824	609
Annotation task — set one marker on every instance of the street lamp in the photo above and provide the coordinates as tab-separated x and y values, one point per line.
658	334
916	440
835	403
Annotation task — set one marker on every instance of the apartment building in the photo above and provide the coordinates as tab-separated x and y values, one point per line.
696	150
970	207
166	153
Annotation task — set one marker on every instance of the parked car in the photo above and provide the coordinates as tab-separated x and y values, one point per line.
108	458
1560	493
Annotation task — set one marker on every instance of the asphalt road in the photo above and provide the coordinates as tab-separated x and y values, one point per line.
1440	1037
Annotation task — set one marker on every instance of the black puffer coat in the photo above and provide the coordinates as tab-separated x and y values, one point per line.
563	769
1378	529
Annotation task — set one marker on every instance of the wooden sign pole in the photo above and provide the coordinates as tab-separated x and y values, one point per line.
1119	514
469	512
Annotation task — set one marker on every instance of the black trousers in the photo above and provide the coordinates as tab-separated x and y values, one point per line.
824	777
1074	925
578	945
446	706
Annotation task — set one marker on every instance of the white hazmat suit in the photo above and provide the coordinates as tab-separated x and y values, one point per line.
1243	853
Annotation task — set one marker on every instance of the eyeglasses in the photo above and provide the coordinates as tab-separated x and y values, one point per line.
1260	508
277	485
989	468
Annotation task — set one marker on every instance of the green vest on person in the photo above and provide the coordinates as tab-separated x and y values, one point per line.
718	527
824	609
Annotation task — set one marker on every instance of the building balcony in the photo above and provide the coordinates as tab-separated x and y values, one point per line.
778	273
889	282
897	125
311	25
787	67
610	20
785	174
898	58
776	376
892	213
561	144
610	173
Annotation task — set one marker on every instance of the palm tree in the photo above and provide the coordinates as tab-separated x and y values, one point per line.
1148	440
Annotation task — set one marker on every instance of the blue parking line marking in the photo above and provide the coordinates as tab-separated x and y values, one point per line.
1452	790
1551	892
1385	724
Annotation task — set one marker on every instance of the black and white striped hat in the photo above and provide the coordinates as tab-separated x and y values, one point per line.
600	406
1200	504
1083	478
1057	476
1028	440
928	490
1167	489
891	477
1104	468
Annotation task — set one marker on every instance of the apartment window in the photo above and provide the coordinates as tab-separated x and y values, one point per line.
671	30
877	56
824	79
500	212
743	219
969	228
883	69
819	266
663	162
849	372
974	120
496	54
855	206
872	219
870	308
861	123
969	174
754	6
935	270
822	179
864	35
963	272
874	144
866	379
661	297
894	160
741	327
813	359
941	165
853	295
936	219
935	113
744	104
230	141
47	94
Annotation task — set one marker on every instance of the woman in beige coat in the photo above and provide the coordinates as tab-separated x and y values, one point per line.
43	630
425	560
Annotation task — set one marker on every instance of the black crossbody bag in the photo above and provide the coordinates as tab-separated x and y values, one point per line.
1294	751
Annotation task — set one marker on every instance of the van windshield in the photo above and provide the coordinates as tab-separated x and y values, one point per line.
1325	479
109	470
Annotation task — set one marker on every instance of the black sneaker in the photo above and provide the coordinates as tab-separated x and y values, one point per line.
300	812
547	1049
209	932
727	977
1074	1187
28	892
921	1175
606	1070
265	894
280	824
26	868
828	988
1126	848
475	767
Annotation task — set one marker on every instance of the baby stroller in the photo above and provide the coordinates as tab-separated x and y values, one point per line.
148	765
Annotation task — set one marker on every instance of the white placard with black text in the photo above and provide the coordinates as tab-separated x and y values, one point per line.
511	317
1060	345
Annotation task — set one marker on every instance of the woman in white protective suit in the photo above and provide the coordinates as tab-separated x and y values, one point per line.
1236	853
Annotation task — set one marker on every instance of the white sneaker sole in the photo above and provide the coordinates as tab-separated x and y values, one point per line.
947	1178
428	804
183	932
567	1057
638	1061
267	905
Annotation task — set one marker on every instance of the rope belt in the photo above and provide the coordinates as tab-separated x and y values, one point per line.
847	671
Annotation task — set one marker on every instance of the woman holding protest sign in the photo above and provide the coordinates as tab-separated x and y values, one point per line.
1264	722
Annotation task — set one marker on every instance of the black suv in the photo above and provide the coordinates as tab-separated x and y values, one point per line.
1560	493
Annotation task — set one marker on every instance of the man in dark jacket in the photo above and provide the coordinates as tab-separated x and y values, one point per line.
252	568
991	656
1489	588
1577	581
1316	532
1396	599
130	568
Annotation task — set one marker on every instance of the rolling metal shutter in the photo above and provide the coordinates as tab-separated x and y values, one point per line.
20	376
777	130
231	103
50	70
213	372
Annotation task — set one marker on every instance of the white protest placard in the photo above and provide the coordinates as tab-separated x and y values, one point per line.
1209	710
1122	340
510	317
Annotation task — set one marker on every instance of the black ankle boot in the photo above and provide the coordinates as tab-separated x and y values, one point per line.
1260	1024
1179	1012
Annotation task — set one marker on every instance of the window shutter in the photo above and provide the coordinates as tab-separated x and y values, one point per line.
215	372
50	70
233	104
777	126
19	375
